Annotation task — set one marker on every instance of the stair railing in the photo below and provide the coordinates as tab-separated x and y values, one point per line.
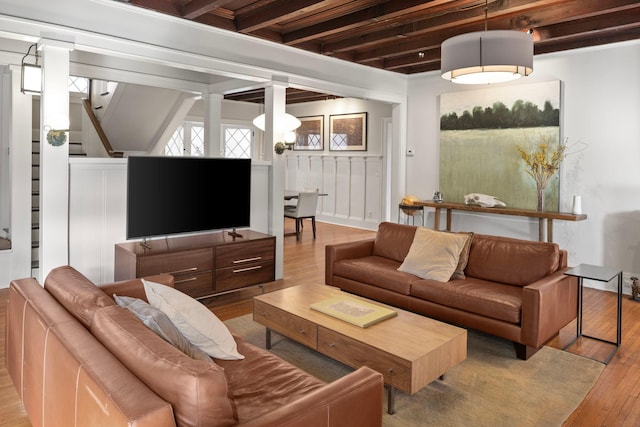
98	127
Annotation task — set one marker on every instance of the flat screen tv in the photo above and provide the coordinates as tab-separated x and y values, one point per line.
172	195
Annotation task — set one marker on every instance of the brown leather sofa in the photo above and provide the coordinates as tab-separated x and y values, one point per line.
513	288
78	359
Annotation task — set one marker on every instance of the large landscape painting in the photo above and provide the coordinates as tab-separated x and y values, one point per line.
480	132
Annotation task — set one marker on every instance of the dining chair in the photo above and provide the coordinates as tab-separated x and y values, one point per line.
305	208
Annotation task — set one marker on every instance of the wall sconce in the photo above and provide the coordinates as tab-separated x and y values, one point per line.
56	137
289	142
279	147
31	81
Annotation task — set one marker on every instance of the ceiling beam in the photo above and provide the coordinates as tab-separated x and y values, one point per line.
158	5
464	19
197	8
432	38
372	15
276	12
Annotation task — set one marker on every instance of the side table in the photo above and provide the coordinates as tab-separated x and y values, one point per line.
602	274
410	211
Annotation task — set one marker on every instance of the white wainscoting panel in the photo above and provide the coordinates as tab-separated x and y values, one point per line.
343	188
328	186
357	182
97	210
374	191
353	184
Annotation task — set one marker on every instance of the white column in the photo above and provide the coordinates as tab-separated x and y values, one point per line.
54	161
214	144
274	106
398	173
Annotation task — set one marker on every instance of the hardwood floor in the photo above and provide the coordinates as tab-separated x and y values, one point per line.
613	401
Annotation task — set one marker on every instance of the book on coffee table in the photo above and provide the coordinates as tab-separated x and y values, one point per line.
355	311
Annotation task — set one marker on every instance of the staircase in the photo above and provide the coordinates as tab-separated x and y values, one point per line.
75	150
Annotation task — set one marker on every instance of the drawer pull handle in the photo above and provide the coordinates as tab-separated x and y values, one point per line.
241	270
390	371
332	345
240	261
184	270
190	279
302	332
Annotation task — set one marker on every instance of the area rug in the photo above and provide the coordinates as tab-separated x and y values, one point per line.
490	388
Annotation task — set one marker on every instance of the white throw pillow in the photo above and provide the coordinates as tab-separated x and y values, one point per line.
196	322
434	254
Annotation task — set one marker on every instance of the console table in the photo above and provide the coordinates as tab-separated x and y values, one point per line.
543	217
203	265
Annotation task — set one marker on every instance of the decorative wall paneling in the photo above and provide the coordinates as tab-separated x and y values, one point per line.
353	185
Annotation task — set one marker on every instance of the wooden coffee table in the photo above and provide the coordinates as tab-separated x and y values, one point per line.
409	350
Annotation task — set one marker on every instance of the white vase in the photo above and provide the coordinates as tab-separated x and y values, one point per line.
577	205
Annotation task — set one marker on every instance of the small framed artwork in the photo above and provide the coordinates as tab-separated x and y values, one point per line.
310	134
348	132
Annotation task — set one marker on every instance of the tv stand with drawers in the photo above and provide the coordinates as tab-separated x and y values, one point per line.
203	264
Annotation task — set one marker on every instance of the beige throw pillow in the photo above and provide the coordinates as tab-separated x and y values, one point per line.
434	254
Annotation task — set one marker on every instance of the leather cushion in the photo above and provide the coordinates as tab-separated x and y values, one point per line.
376	271
495	300
393	241
76	293
197	390
263	382
511	261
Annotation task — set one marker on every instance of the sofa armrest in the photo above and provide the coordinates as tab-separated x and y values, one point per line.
349	250
134	287
547	306
353	400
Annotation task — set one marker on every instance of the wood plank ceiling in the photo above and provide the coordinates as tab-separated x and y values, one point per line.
405	35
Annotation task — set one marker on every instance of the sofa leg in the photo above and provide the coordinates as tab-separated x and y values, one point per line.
524	352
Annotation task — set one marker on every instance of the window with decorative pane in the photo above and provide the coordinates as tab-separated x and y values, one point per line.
197	140
237	142
78	84
175	146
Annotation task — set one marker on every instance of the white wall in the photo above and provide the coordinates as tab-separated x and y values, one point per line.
601	108
16	262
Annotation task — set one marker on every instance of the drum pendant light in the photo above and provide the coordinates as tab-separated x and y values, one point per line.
487	56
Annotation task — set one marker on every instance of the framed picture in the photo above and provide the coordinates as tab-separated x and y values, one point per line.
348	132
310	134
480	132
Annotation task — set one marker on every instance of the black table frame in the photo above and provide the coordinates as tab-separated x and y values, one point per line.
412	208
602	274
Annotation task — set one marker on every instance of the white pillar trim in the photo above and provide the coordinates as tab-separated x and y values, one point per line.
274	106
214	146
54	161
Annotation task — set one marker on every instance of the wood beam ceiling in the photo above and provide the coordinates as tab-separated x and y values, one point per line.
405	35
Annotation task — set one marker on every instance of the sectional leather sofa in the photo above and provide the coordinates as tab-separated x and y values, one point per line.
511	288
78	359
